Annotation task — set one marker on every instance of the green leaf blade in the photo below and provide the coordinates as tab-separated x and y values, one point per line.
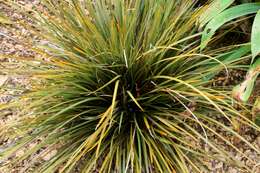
224	17
255	37
214	9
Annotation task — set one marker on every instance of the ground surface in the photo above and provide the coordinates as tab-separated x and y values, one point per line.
9	34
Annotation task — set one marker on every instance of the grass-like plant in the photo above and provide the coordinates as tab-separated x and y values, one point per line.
124	87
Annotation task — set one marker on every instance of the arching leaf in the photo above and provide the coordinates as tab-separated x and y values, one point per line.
214	9
226	16
255	37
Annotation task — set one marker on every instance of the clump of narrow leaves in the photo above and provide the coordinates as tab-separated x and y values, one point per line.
125	88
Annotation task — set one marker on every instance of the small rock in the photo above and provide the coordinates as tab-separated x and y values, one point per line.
6	98
19	153
31	145
49	155
232	170
258	141
29	7
18	46
219	165
3	80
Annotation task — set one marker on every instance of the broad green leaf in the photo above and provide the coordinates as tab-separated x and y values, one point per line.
243	91
226	16
4	19
214	9
255	37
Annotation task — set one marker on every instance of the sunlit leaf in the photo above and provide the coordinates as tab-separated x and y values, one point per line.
213	9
